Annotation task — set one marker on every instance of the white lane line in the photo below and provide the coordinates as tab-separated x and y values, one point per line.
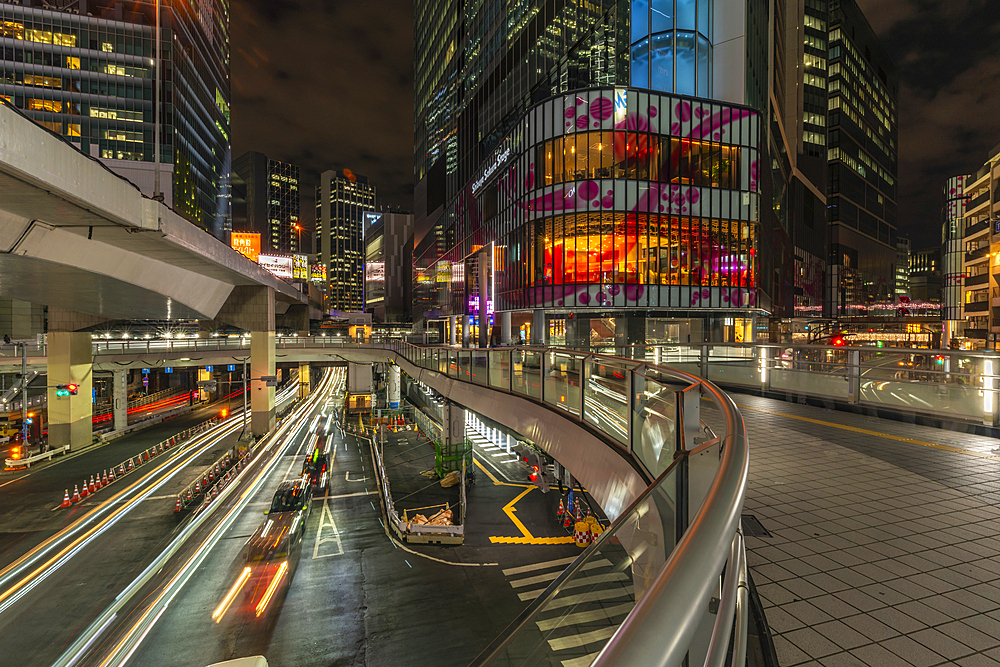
326	521
576	641
604	614
576	583
347	478
346	495
509	461
549	576
591	596
500	453
13	480
538	566
584	661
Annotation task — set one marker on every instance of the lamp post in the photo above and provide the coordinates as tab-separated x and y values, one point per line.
298	236
157	62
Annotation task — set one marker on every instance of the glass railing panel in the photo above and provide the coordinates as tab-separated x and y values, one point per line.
479	367
499	368
733	365
605	397
562	386
527	373
570	621
654	424
465	365
453	368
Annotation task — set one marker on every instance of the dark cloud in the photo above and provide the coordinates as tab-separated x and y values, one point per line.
949	92
326	84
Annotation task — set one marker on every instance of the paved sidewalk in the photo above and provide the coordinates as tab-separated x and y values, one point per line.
884	549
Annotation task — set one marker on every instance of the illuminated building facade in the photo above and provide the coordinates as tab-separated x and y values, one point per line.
84	69
389	266
342	198
863	119
265	200
981	259
622	170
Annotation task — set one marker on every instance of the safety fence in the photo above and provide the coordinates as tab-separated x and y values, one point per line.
110	475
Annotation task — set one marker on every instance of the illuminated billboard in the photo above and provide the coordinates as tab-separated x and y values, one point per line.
375	272
246	244
317	273
279	266
300	267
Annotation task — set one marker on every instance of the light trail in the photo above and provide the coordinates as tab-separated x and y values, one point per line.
263	461
170	466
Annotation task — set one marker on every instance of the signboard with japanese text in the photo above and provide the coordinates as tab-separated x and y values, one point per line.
300	267
279	266
246	244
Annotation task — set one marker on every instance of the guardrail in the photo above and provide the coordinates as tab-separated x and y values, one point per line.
26	463
679	540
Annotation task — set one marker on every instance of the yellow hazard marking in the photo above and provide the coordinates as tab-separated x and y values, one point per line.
877	434
567	539
509	509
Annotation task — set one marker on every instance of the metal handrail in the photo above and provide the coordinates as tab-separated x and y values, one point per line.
692	570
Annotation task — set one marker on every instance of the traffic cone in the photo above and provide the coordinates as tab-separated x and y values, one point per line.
568	519
562	509
177	508
589	514
111	475
93	489
76	494
85	492
189	496
197	486
211	475
97	482
66	501
130	465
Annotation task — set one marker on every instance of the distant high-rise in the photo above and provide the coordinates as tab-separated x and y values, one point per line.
863	119
85	69
903	255
342	198
265	196
952	257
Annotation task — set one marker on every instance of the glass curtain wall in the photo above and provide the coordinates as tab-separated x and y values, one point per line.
671	46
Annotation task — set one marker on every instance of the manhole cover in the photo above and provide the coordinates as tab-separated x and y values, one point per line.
753	527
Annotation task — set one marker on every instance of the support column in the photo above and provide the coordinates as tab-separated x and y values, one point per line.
393	390
70	361
304	381
261	396
466	329
539	332
119	401
485	260
452	329
505	327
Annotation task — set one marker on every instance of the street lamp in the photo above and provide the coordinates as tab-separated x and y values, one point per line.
298	234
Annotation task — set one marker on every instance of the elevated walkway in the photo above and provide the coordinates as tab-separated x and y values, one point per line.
882	544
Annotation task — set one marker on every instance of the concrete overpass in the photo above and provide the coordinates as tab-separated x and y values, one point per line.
85	242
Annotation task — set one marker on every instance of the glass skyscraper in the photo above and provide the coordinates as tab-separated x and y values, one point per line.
342	198
607	163
863	119
85	69
265	201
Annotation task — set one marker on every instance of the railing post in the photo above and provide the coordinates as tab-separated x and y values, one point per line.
583	383
853	376
703	360
765	375
989	393
544	367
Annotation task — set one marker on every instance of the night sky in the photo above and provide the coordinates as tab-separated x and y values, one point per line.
326	84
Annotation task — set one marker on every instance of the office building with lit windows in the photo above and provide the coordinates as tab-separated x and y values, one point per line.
863	119
614	170
265	201
952	258
85	69
981	259
342	198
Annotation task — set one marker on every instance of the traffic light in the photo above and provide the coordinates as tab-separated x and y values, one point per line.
837	341
66	390
224	413
939	358
538	474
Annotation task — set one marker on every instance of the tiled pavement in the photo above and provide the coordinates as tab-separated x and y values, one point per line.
883	552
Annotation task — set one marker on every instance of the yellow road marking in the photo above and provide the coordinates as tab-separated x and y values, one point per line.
877	434
509	509
567	539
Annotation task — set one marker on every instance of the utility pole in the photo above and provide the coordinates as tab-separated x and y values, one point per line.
24	395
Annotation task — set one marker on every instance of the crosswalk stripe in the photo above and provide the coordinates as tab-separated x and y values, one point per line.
531	567
591	596
582	639
604	614
576	583
500	453
584	661
549	576
509	460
